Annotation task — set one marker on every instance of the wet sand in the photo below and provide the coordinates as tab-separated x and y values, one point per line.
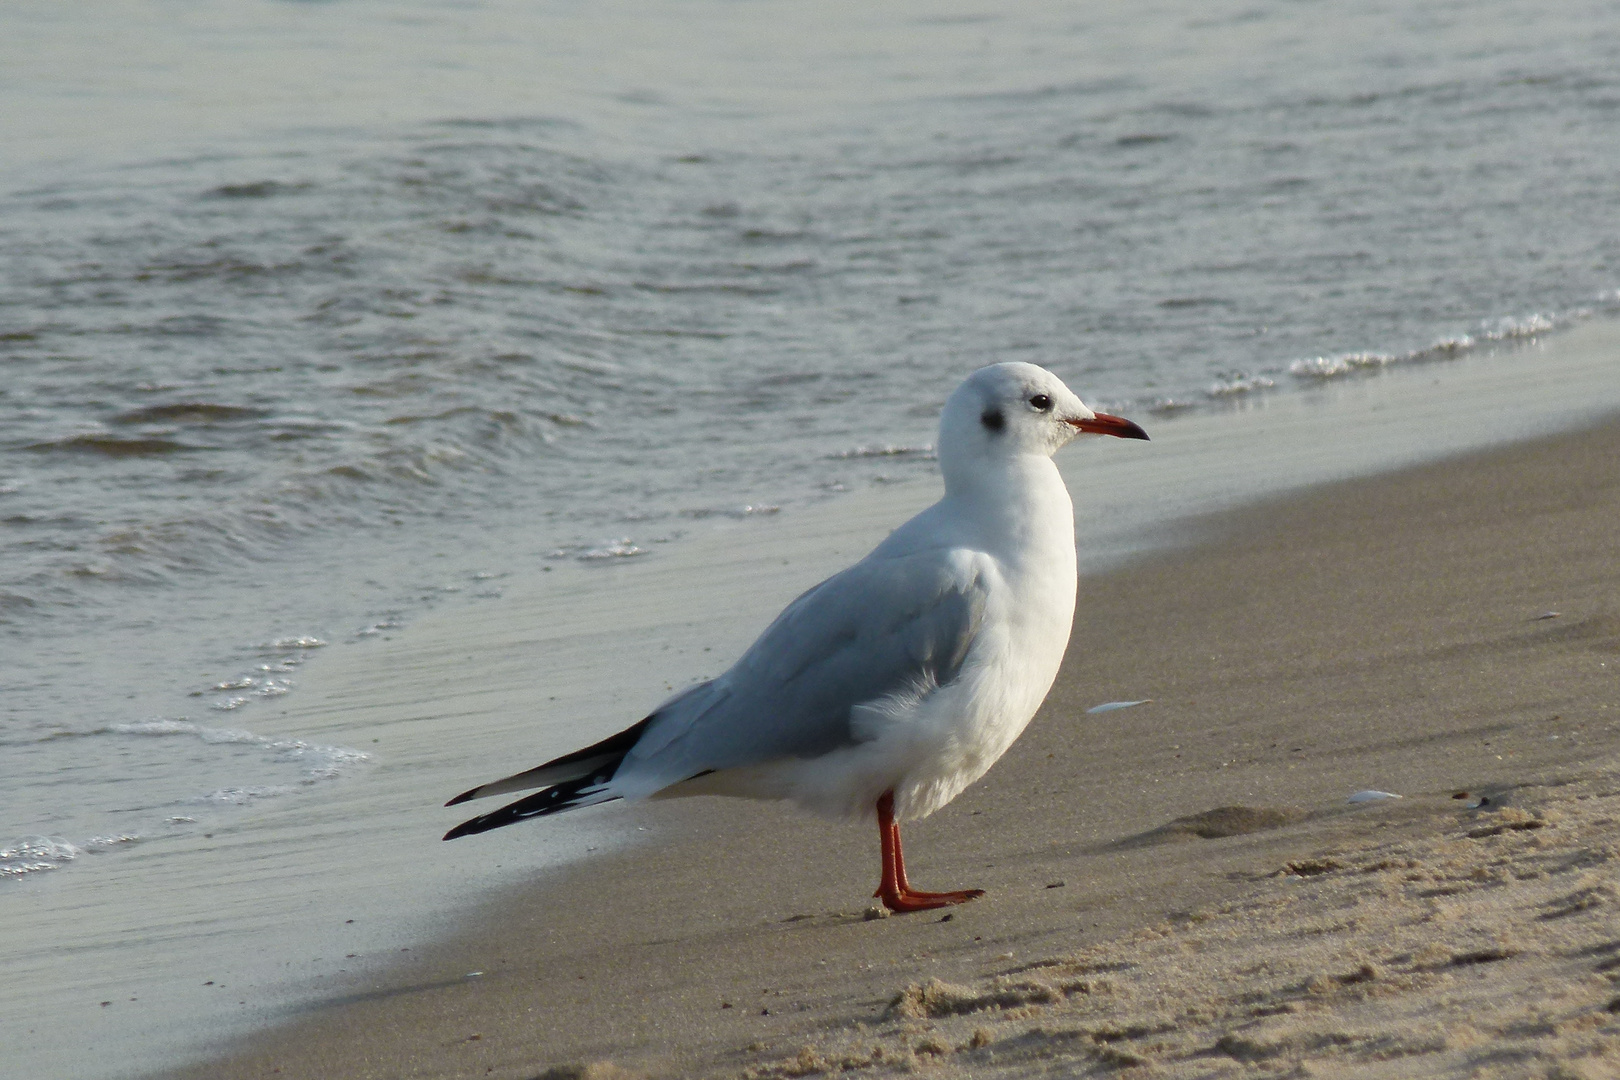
1450	633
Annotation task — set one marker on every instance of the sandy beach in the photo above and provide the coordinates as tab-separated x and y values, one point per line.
1180	888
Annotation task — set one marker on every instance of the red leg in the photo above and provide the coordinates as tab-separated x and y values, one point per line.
895	891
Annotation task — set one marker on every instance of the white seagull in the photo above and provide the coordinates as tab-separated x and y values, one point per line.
893	685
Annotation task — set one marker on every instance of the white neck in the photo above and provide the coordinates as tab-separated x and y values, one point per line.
1021	504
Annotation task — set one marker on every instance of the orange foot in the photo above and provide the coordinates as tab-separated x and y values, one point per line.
912	900
895	891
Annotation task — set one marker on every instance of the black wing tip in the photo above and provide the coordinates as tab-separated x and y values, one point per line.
553	800
614	746
482	823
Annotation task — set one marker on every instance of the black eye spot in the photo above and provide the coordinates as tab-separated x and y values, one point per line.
1041	402
993	419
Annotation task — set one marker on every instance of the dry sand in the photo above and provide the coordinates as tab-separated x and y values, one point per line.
1179	888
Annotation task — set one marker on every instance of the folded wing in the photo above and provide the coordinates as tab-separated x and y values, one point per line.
886	627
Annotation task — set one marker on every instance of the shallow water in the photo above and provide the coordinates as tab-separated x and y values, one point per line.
301	341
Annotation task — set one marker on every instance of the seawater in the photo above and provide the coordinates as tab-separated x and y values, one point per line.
314	318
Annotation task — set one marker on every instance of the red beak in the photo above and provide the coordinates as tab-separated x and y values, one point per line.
1103	424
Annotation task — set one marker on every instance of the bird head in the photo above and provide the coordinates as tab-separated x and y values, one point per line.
1012	409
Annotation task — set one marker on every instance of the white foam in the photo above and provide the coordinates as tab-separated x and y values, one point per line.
105	843
1525	326
161	726
1516	328
747	510
923	451
33	854
241	796
293	643
619	548
1238	385
1329	367
319	761
1165	406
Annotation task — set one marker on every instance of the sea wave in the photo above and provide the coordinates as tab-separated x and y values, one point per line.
34	854
922	451
317	761
1238	385
1493	332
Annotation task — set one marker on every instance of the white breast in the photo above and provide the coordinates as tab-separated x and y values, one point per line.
928	748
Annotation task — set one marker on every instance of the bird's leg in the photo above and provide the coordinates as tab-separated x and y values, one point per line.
895	891
899	858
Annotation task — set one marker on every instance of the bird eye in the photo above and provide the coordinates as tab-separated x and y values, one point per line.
1041	402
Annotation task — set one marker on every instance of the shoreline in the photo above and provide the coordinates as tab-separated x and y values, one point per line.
309	899
658	957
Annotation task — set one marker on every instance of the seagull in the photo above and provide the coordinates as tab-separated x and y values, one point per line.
890	687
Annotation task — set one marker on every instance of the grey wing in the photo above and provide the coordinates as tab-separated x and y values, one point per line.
883	627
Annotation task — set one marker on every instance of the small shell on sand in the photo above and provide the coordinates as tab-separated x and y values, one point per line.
1371	796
